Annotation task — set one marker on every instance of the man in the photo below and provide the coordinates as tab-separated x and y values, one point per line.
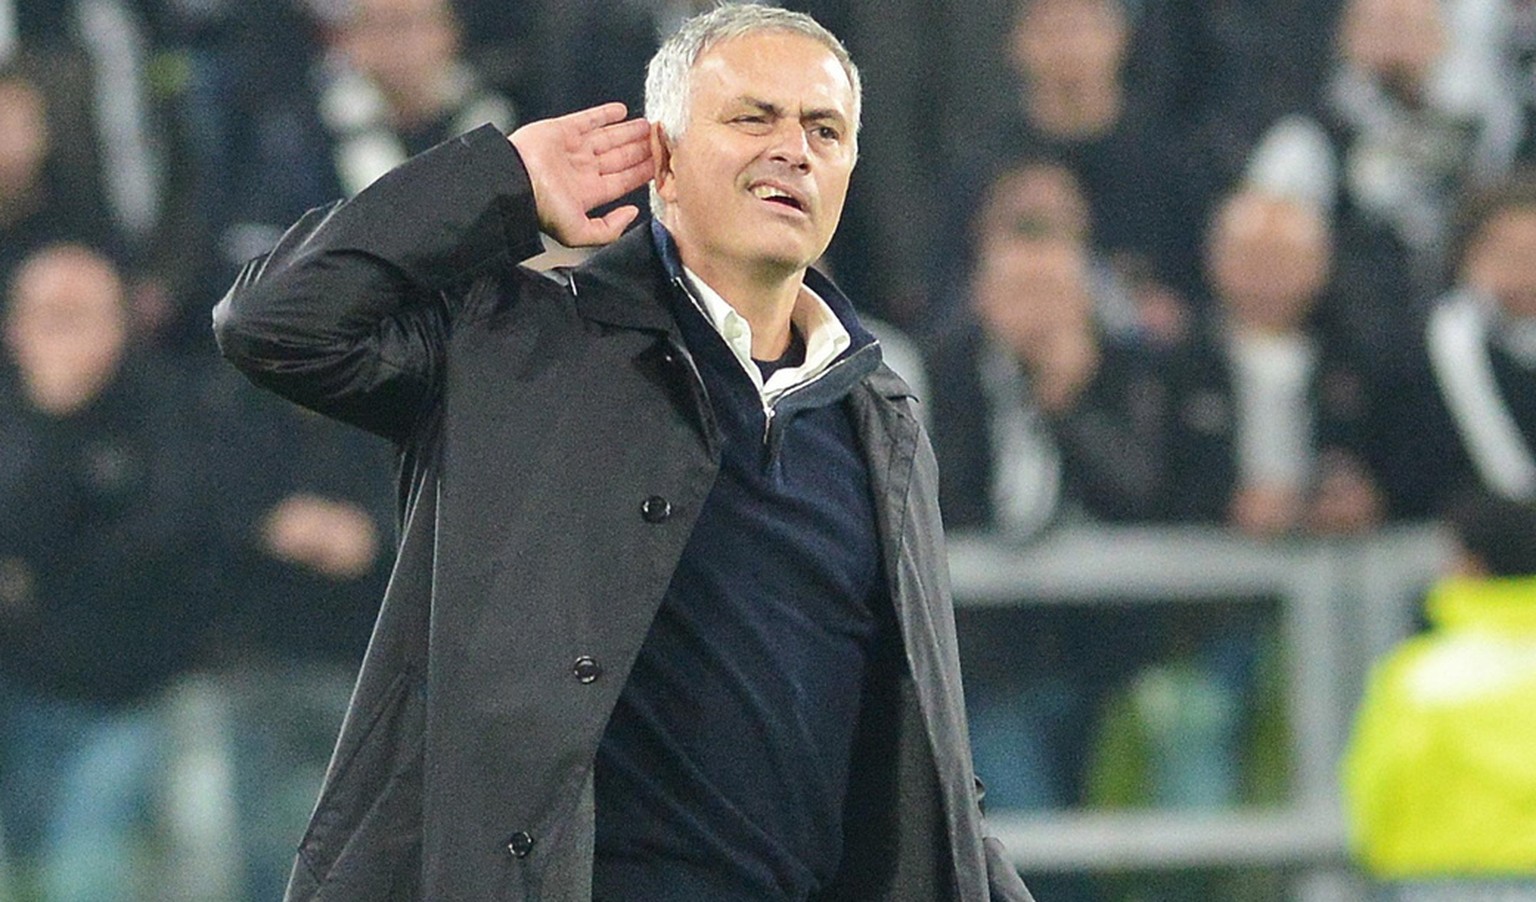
1463	414
1272	426
102	601
670	618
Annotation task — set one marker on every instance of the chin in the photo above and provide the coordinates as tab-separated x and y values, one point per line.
787	259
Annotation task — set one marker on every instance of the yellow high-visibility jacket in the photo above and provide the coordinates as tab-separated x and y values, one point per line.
1440	774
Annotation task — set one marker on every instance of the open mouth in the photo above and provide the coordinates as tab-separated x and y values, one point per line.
776	195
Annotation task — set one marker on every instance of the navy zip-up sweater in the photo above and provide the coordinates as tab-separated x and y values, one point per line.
723	770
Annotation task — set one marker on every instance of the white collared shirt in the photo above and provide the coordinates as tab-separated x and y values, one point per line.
825	337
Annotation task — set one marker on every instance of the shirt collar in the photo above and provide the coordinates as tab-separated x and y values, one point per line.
825	337
823	315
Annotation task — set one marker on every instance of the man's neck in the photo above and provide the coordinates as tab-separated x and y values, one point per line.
765	300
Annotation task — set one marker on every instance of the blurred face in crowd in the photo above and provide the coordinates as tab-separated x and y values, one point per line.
1398	41
1502	260
1268	259
1035	200
401	44
66	326
23	137
757	180
1030	291
1074	42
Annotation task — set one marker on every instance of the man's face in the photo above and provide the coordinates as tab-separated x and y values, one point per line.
757	181
1502	260
1268	260
1029	289
66	323
400	43
1070	41
1400	42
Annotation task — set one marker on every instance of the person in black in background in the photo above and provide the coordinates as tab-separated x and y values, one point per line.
1273	426
103	590
43	199
1046	412
1464	416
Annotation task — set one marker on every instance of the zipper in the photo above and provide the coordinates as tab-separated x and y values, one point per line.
770	410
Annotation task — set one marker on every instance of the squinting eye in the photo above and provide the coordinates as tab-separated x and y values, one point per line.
828	133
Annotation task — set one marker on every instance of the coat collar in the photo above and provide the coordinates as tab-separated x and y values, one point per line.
628	282
624	284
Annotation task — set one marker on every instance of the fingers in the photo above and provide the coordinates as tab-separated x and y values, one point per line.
625	156
619	134
594	118
619	183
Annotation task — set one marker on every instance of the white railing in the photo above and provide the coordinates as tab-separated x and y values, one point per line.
1342	604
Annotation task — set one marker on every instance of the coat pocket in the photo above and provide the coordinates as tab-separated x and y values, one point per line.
364	839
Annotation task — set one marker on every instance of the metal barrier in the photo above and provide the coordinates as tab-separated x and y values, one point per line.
1342	603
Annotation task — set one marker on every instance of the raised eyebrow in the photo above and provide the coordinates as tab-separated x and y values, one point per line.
763	106
827	115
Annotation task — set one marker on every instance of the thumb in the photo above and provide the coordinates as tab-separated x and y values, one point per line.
611	225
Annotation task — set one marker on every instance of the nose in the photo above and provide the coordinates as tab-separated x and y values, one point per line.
790	145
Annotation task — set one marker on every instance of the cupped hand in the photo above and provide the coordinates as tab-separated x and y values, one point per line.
581	161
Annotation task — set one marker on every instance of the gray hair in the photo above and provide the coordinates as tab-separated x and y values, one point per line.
669	76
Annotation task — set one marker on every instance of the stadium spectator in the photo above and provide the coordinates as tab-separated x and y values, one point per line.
92	60
305	506
1036	414
103	592
43	198
1268	423
394	84
1038	419
1271	428
1413	113
1073	96
1465	414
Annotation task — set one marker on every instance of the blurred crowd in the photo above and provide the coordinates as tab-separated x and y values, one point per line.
1266	265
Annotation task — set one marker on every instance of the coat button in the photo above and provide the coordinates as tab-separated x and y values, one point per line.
520	844
587	669
655	509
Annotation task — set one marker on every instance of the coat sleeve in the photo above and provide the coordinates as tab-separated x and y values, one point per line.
350	314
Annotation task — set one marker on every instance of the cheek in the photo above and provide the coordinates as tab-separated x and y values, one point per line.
834	192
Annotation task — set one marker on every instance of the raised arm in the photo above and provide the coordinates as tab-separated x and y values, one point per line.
350	313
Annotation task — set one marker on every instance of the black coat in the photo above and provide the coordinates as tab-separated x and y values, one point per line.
104	595
1109	440
1203	412
538	420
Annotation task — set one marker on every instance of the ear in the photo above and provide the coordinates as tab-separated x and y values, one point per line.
661	157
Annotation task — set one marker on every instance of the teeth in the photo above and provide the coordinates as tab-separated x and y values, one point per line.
768	192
